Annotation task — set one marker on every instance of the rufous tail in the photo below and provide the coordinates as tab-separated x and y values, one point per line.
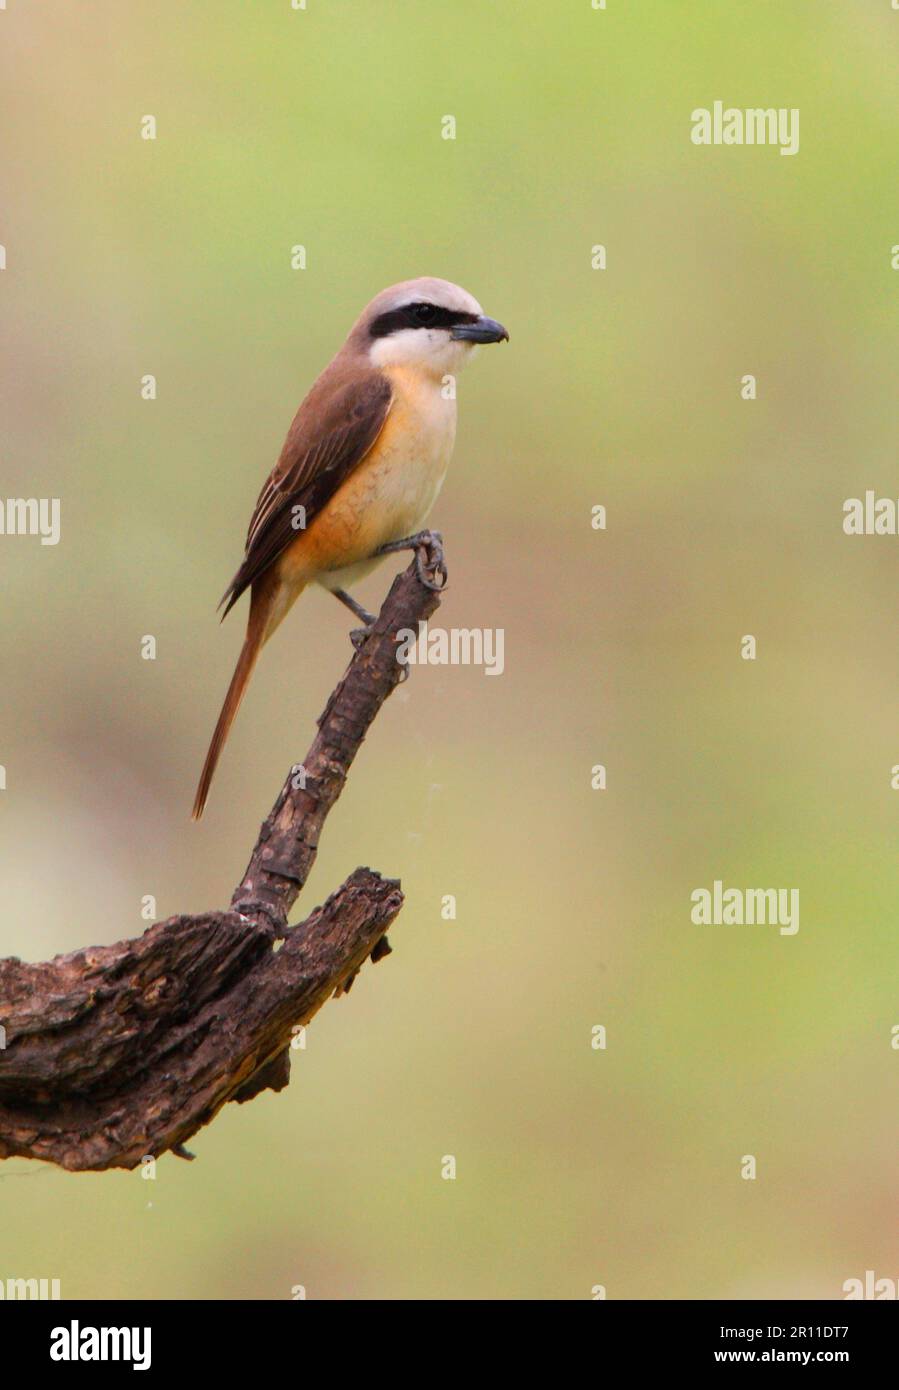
258	630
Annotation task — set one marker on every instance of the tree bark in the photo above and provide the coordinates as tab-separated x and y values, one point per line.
115	1054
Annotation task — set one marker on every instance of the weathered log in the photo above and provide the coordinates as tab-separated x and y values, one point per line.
116	1054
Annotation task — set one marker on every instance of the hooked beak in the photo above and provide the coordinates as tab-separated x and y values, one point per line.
483	330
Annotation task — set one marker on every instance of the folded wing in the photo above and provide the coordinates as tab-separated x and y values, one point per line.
335	427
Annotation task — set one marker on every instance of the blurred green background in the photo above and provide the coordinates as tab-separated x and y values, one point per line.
575	1167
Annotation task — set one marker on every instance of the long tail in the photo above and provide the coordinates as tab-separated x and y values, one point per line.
258	629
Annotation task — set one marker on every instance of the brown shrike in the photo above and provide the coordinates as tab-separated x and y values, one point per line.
360	469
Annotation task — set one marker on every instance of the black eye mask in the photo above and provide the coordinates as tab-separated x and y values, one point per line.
419	315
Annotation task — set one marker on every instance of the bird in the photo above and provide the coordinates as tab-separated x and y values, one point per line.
360	469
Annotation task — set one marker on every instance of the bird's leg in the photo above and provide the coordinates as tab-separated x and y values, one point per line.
359	634
353	606
428	547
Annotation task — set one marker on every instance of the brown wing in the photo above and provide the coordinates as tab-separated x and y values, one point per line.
333	430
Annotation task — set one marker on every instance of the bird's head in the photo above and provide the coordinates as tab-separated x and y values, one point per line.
430	324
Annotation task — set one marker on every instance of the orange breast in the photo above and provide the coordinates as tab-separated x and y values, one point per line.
391	492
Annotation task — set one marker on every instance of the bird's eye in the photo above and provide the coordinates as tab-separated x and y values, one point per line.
425	313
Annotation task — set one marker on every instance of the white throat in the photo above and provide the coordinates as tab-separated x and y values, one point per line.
431	350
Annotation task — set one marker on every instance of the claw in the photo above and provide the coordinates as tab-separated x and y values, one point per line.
435	563
430	566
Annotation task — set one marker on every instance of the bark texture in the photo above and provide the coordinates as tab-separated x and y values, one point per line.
113	1054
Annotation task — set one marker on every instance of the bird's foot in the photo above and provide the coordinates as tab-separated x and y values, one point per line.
360	635
430	565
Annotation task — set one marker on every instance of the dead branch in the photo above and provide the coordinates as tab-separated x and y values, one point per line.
117	1053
